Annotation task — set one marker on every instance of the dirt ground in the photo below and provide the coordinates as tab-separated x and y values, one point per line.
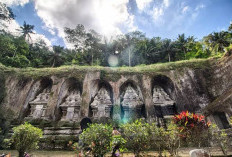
184	152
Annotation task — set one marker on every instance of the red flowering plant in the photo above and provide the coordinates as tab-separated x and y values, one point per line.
193	128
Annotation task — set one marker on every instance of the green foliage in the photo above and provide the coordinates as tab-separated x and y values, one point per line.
93	49
217	41
220	138
98	137
27	29
192	128
25	137
5	122
172	139
156	138
137	136
119	141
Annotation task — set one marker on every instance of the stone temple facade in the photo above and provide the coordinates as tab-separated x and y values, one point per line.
73	96
69	103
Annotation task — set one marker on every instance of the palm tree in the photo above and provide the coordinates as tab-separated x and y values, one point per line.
217	41
27	29
55	57
182	43
169	47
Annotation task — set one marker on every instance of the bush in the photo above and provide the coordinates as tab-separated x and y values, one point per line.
192	128
157	138
220	138
172	139
25	137
97	137
137	136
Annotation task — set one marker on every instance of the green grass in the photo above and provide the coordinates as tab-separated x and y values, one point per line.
80	71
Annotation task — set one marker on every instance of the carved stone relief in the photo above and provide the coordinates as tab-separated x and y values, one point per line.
71	106
164	105
39	104
101	106
131	103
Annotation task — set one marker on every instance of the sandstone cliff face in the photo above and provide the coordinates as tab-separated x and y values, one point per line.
191	88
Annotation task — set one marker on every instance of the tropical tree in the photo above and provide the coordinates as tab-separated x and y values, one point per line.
182	45
55	56
217	41
87	43
25	138
169	48
132	39
26	30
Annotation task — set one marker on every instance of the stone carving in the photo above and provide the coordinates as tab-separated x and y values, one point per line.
131	103
39	104
102	104
71	106
164	105
160	96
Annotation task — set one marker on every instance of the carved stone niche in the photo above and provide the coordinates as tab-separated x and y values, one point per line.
131	103
39	104
164	105
71	107
101	105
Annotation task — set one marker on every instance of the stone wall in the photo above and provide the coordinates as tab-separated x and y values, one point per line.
75	94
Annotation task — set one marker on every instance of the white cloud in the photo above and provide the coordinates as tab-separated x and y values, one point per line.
158	10
201	6
10	26
104	16
166	3
14	2
35	38
185	9
142	4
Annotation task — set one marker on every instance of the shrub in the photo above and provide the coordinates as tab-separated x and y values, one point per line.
137	136
25	137
97	137
172	139
157	138
192	128
220	138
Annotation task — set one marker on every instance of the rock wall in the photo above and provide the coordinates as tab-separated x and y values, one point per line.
189	88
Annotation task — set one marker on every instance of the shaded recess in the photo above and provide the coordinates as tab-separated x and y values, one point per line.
69	100
102	101
131	101
163	96
85	122
39	87
164	82
221	120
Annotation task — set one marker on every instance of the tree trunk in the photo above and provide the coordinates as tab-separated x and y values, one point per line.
169	58
53	64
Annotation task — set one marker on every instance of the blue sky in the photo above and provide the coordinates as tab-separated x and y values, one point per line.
164	18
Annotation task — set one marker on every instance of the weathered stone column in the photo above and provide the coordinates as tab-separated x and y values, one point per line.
147	95
54	97
89	89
